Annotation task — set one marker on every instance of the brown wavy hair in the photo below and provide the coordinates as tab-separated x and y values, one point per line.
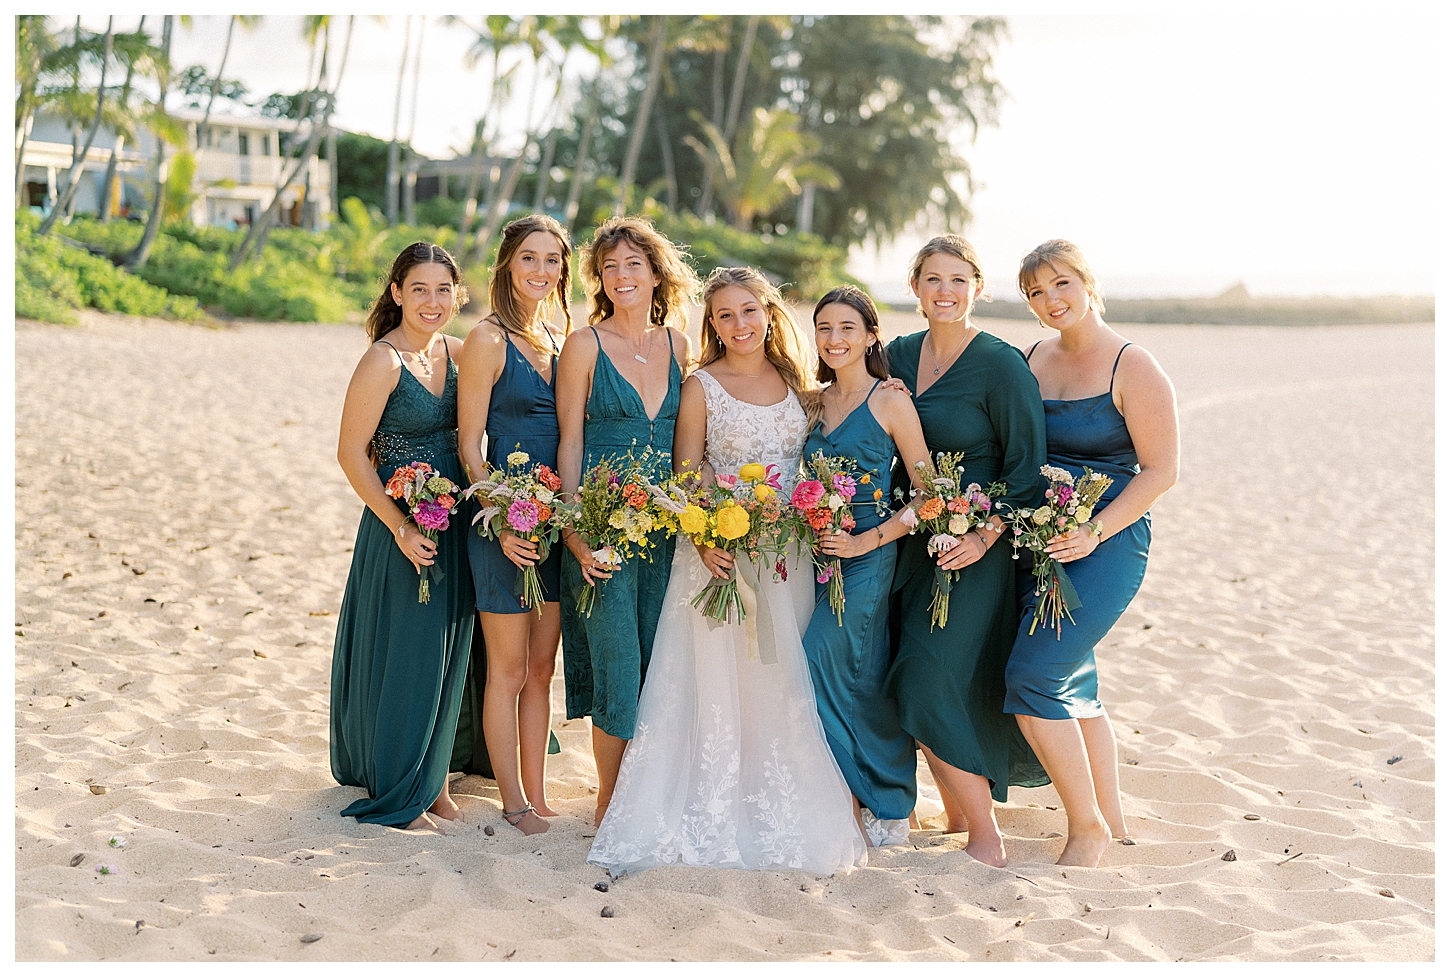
784	348
949	244
1056	252
876	362
505	305
678	287
386	314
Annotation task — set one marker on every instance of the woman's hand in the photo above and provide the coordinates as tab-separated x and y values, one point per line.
846	545
969	549
419	549
594	571
1072	546
895	383
519	550
716	560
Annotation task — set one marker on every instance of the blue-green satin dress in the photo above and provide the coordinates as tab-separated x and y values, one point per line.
607	653
849	661
1056	678
398	666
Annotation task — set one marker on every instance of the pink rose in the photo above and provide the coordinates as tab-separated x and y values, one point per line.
807	494
430	515
523	516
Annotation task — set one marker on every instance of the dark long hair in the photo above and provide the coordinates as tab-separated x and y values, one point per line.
876	362
386	313
501	289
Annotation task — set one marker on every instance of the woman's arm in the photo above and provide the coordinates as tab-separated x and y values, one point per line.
480	364
689	455
895	412
372	383
573	382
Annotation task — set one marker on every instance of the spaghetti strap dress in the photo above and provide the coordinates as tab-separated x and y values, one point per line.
521	417
398	665
606	654
849	660
1058	679
948	682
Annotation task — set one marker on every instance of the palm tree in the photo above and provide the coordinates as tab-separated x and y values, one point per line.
390	188
497	34
136	50
726	127
216	83
641	119
608	27
73	177
769	161
166	130
34	47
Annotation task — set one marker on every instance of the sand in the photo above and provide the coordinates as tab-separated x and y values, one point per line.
182	540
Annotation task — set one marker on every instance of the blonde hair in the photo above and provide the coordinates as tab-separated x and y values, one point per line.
501	290
949	244
784	348
1051	254
678	282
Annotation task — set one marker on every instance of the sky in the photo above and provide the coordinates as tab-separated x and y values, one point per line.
1182	153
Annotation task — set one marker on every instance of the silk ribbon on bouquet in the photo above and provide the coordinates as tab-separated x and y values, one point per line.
759	625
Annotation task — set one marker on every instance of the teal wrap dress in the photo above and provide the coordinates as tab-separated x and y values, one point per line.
606	654
848	661
398	665
949	682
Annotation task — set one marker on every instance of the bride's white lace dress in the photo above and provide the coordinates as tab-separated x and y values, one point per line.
729	765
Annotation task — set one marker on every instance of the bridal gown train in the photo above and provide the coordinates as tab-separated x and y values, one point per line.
729	765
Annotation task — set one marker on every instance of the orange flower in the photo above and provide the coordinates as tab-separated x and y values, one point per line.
446	501
545	513
635	497
818	518
960	504
931	508
549	480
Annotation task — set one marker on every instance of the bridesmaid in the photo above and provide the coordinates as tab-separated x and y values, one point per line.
974	394
506	391
1128	431
618	389
872	423
398	665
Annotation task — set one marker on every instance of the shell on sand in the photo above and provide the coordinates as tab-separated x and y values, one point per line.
1290	655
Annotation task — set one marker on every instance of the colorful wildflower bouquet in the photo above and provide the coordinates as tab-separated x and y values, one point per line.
523	499
431	498
742	514
1069	506
949	512
822	503
615	512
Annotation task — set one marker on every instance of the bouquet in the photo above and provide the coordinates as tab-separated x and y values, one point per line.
948	513
521	498
1069	506
737	513
615	512
431	498
823	506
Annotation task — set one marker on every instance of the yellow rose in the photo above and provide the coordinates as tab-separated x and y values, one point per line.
752	473
1083	514
731	521
692	520
764	493
1041	516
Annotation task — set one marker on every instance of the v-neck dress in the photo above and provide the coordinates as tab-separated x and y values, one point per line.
398	665
606	654
849	660
948	682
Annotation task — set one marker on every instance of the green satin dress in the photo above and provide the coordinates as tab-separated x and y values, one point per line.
949	682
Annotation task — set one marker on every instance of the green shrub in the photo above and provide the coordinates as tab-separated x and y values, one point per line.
803	265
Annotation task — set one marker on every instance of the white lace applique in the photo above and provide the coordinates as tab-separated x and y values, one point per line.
738	433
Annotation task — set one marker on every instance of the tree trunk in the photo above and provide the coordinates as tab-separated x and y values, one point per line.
110	178
717	117
541	188
737	92
22	136
571	208
216	83
74	177
137	258
410	180
333	203
672	188
641	120
390	191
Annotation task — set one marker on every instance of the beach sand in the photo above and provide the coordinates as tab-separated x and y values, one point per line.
183	535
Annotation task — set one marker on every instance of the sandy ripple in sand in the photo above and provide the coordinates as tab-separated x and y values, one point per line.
1279	655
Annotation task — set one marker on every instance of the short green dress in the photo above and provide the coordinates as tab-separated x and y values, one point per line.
606	654
949	682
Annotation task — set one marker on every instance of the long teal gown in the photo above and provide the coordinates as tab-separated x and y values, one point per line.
1056	678
398	665
849	661
606	654
521	417
948	682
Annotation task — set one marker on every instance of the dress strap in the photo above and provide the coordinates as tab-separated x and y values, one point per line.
395	352
596	338
1039	343
1115	367
671	337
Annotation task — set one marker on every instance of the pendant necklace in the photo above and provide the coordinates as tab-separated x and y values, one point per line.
936	366
425	363
640	346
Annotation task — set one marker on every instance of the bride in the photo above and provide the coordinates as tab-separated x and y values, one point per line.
729	765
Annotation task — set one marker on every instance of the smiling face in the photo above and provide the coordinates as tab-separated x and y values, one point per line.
739	319
842	337
426	296
535	268
947	287
1058	297
628	279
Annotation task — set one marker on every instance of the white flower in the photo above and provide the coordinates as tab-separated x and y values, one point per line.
485	516
1083	514
1057	474
959	524
543	495
909	519
618	519
518	458
606	557
940	543
835	502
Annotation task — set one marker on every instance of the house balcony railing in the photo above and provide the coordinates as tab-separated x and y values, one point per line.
214	166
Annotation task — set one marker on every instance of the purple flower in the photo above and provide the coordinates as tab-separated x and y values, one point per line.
523	515
430	515
826	574
844	484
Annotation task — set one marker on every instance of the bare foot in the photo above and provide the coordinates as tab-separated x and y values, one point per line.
955	827
599	814
987	848
913	822
423	823
529	823
444	807
543	810
1084	848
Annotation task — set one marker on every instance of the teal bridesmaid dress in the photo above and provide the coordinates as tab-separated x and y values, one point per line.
397	665
948	682
606	654
849	660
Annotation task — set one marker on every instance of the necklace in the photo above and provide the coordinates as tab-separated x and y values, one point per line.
425	362
849	397
640	346
936	366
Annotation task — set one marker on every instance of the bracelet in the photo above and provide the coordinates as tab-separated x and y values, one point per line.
880	538
1096	528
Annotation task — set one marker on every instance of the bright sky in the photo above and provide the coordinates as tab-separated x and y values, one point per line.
1182	153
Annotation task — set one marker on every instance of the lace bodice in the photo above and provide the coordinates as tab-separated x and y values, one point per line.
738	433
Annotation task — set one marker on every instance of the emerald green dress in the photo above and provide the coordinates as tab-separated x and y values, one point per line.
606	654
398	666
949	682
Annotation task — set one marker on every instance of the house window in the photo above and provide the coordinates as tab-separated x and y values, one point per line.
243	144
266	144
